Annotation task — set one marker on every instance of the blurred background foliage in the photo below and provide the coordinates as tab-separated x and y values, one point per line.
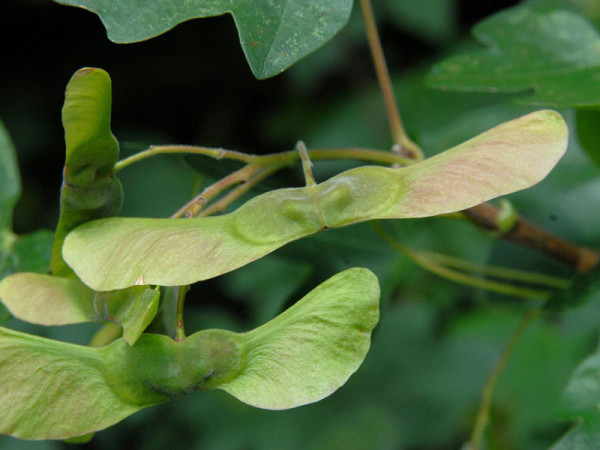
437	341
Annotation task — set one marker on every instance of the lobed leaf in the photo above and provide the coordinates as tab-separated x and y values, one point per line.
116	252
583	436
581	397
580	401
274	35
550	54
56	390
89	190
49	300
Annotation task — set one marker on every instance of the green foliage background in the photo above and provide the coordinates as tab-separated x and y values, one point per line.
437	341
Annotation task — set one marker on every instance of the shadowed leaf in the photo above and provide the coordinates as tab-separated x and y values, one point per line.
588	133
114	253
584	436
32	251
10	184
274	35
582	288
581	397
551	51
580	401
10	190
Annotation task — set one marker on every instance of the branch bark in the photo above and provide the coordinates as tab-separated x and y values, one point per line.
524	233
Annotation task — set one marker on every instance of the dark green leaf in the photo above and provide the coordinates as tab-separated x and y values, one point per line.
582	287
116	253
580	401
10	190
10	184
581	397
553	52
89	190
55	390
4	315
434	20
274	35
588	132
584	436
32	251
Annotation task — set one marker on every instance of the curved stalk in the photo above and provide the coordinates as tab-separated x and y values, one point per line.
216	153
483	415
179	330
195	205
306	164
499	272
425	261
289	157
399	136
221	204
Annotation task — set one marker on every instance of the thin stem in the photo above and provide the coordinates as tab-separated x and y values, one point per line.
289	157
424	261
306	164
179	331
365	154
195	205
226	200
399	136
499	272
483	415
476	282
216	153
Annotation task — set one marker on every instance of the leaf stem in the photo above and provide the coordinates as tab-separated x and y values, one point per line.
179	331
499	272
306	164
221	204
216	153
424	260
399	136
289	157
195	205
483	415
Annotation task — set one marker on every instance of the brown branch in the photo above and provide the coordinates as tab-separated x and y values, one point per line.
526	234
